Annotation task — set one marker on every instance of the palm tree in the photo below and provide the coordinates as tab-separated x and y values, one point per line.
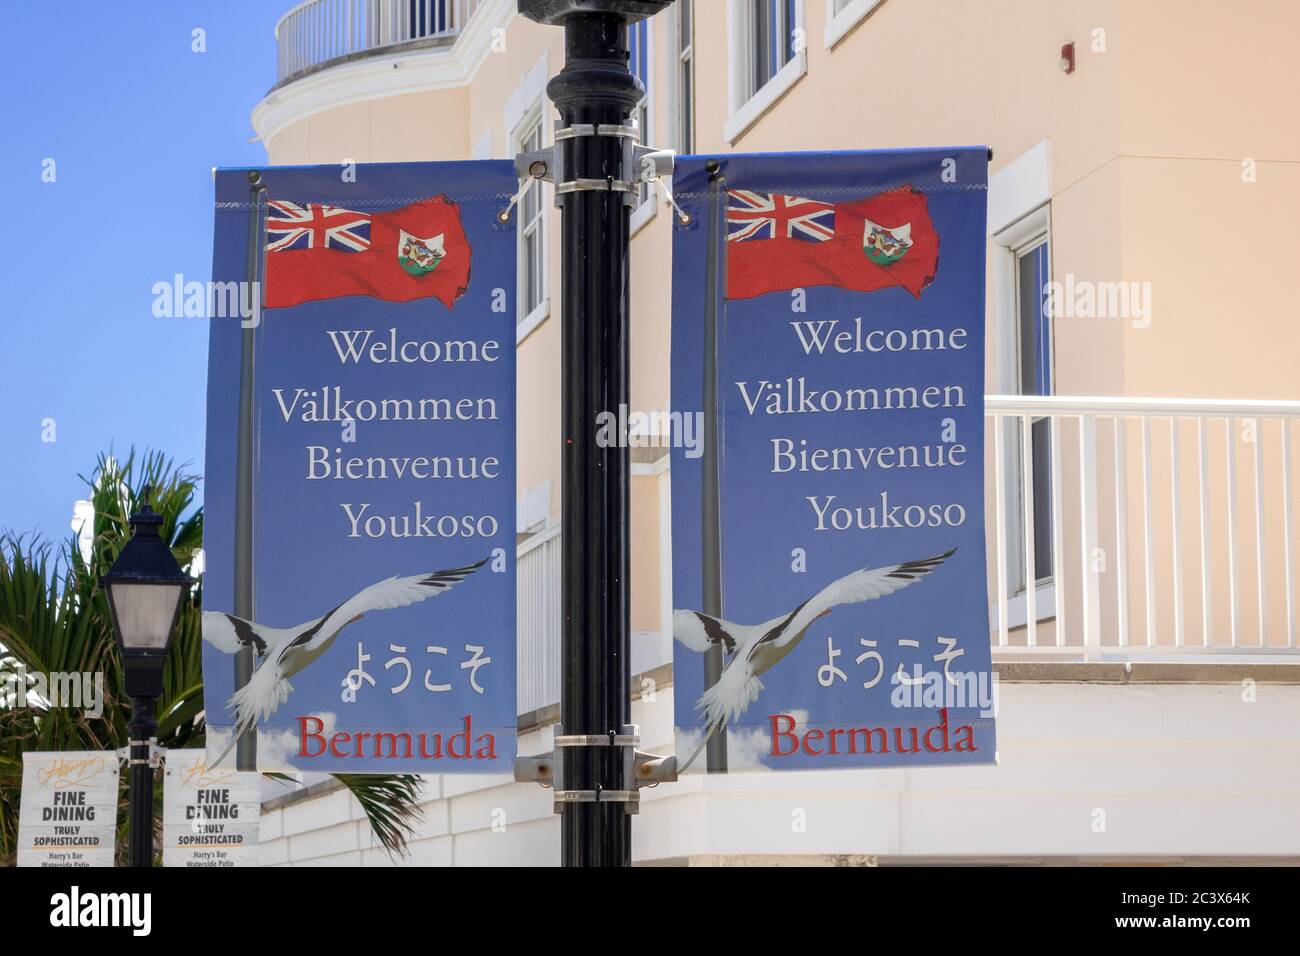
54	619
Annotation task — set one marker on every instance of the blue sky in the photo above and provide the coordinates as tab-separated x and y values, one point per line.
134	120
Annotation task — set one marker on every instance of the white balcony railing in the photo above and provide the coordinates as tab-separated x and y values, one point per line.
1157	529
538	584
317	33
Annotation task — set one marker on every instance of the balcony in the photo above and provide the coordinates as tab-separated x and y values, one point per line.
317	34
1158	531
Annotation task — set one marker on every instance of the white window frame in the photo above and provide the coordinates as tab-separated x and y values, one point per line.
647	208
1023	235
839	24
1020	236
533	118
747	107
682	60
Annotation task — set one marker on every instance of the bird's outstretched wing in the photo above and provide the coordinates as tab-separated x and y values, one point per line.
389	593
700	631
864	585
230	634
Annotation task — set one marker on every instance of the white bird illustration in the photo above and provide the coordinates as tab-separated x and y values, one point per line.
753	649
284	651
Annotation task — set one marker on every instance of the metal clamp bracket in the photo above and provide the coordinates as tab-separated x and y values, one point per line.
640	769
640	164
599	740
154	759
653	164
603	129
650	770
630	797
593	185
537	164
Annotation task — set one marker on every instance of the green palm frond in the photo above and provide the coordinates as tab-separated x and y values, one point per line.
392	805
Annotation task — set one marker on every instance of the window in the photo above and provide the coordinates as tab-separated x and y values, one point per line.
768	56
1033	272
532	304
843	15
638	47
1024	359
1034	343
685	76
771	45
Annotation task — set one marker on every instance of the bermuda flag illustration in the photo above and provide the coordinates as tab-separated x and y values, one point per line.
318	251
777	242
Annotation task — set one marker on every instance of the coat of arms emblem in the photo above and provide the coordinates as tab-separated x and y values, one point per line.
883	245
420	256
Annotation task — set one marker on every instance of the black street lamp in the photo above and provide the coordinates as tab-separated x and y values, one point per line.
145	589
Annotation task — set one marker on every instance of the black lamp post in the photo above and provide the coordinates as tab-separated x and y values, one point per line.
595	95
145	589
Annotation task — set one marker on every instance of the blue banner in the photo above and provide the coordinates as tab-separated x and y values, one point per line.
359	596
828	535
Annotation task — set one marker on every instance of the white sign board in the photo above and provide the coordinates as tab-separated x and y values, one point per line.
210	818
68	815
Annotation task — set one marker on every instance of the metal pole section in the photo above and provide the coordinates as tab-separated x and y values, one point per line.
715	752
141	730
246	750
595	88
595	696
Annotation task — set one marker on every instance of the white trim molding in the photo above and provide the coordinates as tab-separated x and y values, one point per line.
839	24
533	509
382	75
1018	607
680	60
525	112
532	321
526	96
1020	187
745	110
762	101
643	213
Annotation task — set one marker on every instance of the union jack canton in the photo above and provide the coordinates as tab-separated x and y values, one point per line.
752	215
315	226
